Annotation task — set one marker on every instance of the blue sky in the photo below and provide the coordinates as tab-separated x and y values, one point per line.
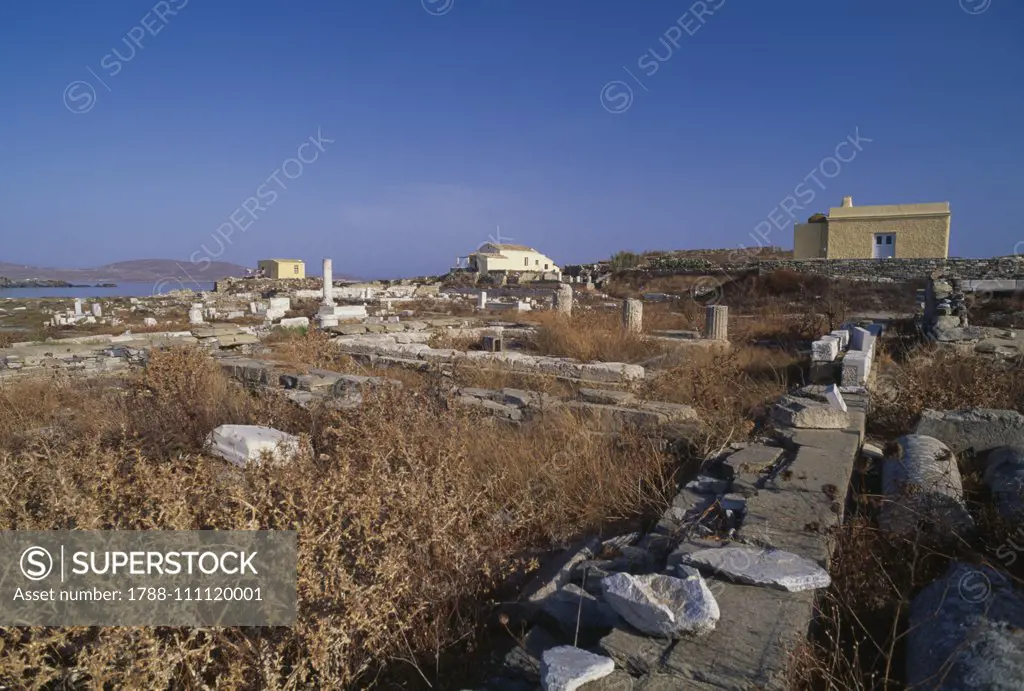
437	121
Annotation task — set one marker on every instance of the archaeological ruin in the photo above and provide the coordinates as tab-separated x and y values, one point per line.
727	583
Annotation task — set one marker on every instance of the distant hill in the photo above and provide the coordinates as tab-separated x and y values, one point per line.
136	270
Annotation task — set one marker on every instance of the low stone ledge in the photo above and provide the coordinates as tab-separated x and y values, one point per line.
973	429
388	346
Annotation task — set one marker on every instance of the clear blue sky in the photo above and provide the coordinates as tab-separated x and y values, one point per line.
452	117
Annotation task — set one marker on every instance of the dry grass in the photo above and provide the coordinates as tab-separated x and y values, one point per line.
465	374
729	388
410	516
941	379
589	336
862	623
1006	311
302	350
779	324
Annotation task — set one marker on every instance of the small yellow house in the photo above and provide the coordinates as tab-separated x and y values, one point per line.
493	256
282	268
901	231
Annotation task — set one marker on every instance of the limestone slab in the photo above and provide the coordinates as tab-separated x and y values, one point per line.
794	411
244	444
792	520
767	567
294	323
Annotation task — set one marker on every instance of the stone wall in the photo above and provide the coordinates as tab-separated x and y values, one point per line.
879	270
900	269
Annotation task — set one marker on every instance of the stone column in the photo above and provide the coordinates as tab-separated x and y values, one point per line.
716	327
78	307
328	282
922	482
482	300
632	315
97	309
563	299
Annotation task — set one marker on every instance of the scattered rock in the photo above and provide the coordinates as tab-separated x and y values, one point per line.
619	541
571	606
294	323
567	668
633	560
244	444
524	660
775	568
708	485
835	397
661	605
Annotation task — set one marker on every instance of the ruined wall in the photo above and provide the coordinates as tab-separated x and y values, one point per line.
920	237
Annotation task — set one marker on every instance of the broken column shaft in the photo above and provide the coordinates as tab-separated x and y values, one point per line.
563	299
716	326
632	315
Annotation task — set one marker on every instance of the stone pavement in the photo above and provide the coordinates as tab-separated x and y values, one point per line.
760	497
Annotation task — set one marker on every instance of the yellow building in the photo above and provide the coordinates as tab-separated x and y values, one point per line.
493	256
902	231
282	268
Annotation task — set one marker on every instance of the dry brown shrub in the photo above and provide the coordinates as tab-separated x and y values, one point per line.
180	397
309	348
471	374
729	388
941	379
410	514
778	323
679	315
590	336
860	634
